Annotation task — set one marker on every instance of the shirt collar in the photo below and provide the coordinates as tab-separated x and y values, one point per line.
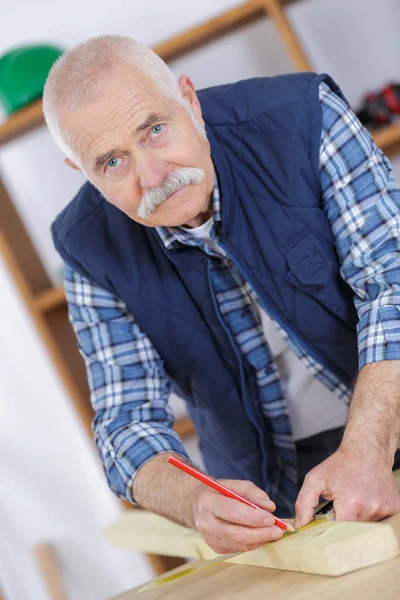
175	237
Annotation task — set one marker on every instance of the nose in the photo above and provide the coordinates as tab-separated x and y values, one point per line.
150	170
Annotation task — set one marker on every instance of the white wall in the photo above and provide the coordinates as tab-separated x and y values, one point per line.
52	487
50	480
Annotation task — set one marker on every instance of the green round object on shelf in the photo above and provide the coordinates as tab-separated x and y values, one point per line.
23	73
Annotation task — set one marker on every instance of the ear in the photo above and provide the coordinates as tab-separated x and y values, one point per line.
189	93
71	164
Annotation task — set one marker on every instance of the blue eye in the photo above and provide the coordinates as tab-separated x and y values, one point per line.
112	163
156	129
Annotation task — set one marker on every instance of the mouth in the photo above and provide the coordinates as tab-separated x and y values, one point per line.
173	195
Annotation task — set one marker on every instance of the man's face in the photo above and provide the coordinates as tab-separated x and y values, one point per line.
135	146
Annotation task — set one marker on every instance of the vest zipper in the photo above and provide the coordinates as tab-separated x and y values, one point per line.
233	344
253	416
267	306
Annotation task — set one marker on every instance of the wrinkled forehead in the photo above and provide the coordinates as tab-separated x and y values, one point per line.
125	99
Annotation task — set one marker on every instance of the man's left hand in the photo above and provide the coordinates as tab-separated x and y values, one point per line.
362	488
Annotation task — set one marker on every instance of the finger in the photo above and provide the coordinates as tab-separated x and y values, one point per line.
390	507
366	510
238	538
234	511
346	509
251	492
375	511
307	500
372	510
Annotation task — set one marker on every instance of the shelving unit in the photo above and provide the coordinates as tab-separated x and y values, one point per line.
47	305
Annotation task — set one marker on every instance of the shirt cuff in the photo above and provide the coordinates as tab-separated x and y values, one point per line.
379	335
131	448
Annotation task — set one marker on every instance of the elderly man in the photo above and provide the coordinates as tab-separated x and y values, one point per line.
233	245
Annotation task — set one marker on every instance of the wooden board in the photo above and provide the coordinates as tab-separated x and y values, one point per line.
224	581
328	548
147	532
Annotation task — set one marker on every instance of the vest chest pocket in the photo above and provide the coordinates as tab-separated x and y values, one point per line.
308	261
315	269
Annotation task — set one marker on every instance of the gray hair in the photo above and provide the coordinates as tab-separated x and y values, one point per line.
75	80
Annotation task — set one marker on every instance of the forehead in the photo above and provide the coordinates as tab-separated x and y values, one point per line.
125	102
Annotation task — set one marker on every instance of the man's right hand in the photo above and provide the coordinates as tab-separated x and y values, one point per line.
228	525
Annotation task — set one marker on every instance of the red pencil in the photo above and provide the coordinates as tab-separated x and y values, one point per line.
222	489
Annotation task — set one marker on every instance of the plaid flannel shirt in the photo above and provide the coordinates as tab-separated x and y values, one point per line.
129	387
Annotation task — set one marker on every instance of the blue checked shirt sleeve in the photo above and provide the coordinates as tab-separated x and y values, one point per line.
362	202
129	388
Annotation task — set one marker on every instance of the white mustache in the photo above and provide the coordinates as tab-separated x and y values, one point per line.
172	183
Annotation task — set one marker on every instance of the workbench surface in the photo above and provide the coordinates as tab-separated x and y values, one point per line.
220	580
224	581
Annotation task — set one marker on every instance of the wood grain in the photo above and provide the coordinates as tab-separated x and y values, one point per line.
226	581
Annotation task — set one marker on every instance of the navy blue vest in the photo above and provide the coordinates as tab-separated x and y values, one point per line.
265	138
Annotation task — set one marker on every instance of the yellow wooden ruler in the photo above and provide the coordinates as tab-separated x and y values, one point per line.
188	571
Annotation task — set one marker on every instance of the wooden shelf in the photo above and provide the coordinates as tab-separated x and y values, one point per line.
211	30
31	116
184	427
227	22
26	119
388	138
50	299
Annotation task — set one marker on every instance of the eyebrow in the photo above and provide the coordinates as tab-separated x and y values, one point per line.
151	119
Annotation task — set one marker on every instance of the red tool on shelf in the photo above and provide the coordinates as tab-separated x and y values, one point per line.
381	108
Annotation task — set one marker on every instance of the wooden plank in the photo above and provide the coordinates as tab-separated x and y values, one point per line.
148	532
388	138
273	9
184	427
217	27
26	119
224	581
51	298
210	30
50	569
31	116
329	548
25	258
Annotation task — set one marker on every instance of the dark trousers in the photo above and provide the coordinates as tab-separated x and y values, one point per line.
314	450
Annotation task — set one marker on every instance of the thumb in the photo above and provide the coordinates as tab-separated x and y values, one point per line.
307	501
